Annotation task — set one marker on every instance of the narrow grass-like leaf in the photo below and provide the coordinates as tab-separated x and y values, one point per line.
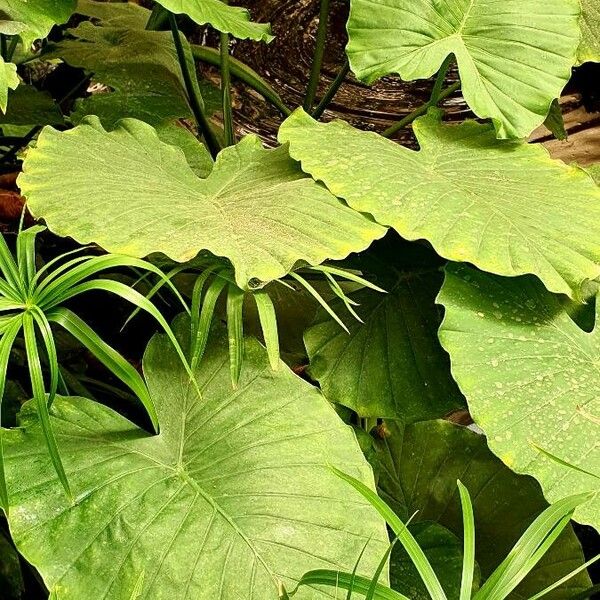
107	355
9	269
411	546
57	259
565	578
268	324
120	289
347	581
6	342
7	304
235	331
349	275
48	337
466	585
339	292
375	579
311	290
351	586
26	253
564	463
10	293
39	394
545	527
202	330
197	299
51	291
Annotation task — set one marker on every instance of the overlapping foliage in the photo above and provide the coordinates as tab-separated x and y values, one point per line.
453	282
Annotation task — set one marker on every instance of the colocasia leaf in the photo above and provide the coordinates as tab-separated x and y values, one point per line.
9	80
514	56
228	19
530	375
141	68
34	18
589	49
256	207
505	206
225	503
420	465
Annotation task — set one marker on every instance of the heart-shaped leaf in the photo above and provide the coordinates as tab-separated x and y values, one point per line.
140	66
228	19
531	377
226	502
419	466
9	80
390	365
256	207
504	206
514	56
36	18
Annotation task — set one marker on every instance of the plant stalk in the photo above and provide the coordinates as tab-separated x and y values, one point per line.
244	73
226	90
332	91
390	131
12	47
203	125
439	80
315	73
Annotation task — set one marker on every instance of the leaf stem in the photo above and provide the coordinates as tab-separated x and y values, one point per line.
390	131
439	80
226	90
332	91
315	72
242	72
203	125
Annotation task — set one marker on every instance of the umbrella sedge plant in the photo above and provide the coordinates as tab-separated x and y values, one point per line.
32	302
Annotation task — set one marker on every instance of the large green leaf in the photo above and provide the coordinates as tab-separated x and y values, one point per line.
234	495
514	56
115	14
589	49
256	207
9	80
29	106
141	68
392	364
531	378
35	18
419	465
504	206
229	19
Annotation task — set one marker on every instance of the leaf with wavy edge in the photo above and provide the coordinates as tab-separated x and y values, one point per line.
228	19
391	365
514	56
235	494
531	377
256	207
589	49
9	80
35	18
505	206
420	464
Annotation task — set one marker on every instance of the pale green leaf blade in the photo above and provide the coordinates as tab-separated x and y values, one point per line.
514	57
589	49
468	570
543	219
115	14
221	505
9	80
530	376
504	503
235	331
228	19
256	207
268	323
36	17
